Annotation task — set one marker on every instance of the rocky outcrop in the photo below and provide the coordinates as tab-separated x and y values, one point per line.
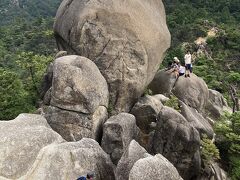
73	126
133	153
163	82
178	141
161	98
154	168
71	160
196	120
192	91
118	132
146	112
20	142
126	40
216	104
214	172
78	85
78	99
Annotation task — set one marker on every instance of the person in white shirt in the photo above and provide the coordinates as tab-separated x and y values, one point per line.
181	70
188	63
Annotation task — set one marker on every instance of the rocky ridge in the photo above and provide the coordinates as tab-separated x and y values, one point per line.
95	114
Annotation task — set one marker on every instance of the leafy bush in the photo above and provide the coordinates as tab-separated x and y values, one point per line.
209	151
14	99
228	132
173	102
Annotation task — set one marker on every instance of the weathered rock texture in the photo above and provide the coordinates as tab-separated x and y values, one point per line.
71	160
192	91
133	153
118	132
154	168
20	142
178	141
163	82
126	39
146	112
196	120
216	104
78	85
73	126
78	99
214	172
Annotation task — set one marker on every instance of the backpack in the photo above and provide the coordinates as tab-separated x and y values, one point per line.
82	178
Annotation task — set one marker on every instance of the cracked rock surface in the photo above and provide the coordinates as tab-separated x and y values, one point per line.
70	160
21	140
78	99
126	40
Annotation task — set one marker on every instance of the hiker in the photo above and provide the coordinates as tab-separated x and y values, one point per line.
181	70
90	176
188	63
175	67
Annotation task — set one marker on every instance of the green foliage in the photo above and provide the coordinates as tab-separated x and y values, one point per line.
26	9
235	167
14	99
228	132
26	47
148	92
173	102
34	67
209	151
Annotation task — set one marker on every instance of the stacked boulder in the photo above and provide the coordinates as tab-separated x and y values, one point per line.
78	99
126	40
94	88
30	149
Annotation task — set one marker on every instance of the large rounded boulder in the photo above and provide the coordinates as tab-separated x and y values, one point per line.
126	40
77	100
70	160
154	167
78	85
178	141
21	140
192	91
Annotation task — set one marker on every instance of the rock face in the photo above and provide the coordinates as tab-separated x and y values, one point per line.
163	82
126	40
71	160
78	99
20	141
213	172
78	85
133	153
74	126
154	168
196	120
178	141
216	104
146	112
192	91
118	132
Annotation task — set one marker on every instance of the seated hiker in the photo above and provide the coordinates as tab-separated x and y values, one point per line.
181	70
175	66
90	176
